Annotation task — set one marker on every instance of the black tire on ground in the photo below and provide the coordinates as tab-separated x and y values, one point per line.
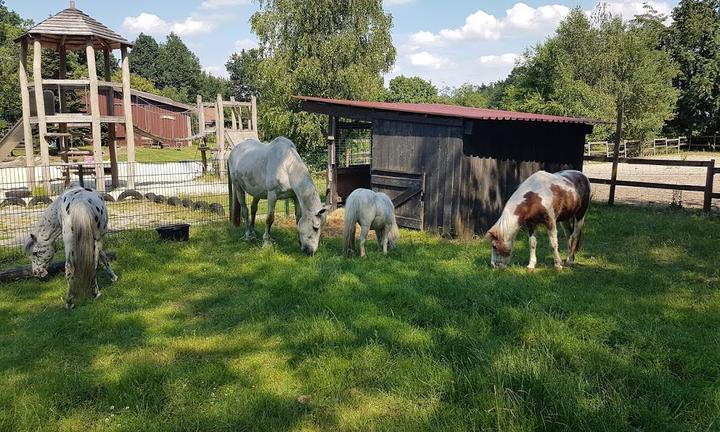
187	202
130	194
173	201
159	199
22	192
12	201
150	196
107	197
217	208
39	200
200	205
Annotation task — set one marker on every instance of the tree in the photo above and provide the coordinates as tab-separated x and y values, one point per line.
598	69
471	95
411	90
144	56
693	42
329	48
243	70
211	86
11	26
178	67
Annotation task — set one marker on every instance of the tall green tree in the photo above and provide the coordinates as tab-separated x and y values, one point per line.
144	57
598	67
410	90
330	48
211	86
693	41
178	67
11	26
243	70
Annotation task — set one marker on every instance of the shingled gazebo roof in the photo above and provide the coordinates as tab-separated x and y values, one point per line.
72	27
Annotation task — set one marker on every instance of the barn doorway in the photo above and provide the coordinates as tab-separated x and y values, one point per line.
353	157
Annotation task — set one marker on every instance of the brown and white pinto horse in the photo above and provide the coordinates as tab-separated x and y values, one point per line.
543	199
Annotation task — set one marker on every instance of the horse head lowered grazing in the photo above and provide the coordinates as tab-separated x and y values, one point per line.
275	171
544	199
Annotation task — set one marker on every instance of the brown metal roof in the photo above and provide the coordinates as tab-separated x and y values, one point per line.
72	27
442	110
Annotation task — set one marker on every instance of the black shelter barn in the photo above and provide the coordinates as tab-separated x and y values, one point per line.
448	169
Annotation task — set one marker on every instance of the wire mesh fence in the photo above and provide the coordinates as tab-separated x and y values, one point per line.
163	193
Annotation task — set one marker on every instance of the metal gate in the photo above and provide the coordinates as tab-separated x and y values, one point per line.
406	190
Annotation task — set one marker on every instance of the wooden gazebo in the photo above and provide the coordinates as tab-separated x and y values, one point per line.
71	29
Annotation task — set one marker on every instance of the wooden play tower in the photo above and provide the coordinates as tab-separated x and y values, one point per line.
71	29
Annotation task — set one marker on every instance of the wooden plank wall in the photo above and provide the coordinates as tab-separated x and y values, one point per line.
417	148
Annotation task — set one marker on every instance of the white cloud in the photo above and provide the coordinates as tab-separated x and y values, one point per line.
479	25
245	44
153	24
423	38
220	4
218	71
508	59
629	8
424	59
522	16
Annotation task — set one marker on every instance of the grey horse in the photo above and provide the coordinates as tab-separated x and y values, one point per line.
275	171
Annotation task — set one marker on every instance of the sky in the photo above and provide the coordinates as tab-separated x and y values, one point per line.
447	42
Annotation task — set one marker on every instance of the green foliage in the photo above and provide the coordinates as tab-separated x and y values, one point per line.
144	57
594	68
11	26
220	334
471	95
243	69
319	48
211	86
411	90
693	41
178	67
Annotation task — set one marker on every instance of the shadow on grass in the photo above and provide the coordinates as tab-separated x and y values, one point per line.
219	334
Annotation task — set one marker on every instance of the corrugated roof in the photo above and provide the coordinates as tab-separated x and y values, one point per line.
443	110
72	22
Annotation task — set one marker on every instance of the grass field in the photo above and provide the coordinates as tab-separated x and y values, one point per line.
218	334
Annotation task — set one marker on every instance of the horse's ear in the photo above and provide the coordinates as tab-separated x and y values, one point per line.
30	242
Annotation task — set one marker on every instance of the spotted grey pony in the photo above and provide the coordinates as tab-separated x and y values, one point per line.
80	215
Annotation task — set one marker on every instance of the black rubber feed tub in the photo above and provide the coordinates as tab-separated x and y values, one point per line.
174	232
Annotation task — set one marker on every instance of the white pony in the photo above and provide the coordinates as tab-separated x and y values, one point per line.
372	210
543	200
79	214
275	171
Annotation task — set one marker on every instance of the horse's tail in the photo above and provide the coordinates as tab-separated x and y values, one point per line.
80	233
349	229
236	212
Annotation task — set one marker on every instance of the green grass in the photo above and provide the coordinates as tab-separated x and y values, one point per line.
149	154
219	334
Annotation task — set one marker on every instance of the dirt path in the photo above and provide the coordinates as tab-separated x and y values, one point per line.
657	174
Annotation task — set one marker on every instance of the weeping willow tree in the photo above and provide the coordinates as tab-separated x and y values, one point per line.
327	48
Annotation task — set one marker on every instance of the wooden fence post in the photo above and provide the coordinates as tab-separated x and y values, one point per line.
616	153
709	179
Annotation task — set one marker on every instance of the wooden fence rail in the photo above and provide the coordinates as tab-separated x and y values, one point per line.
707	189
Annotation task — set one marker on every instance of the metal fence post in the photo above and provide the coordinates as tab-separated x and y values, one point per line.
709	179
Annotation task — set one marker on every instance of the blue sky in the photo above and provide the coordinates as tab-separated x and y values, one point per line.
447	42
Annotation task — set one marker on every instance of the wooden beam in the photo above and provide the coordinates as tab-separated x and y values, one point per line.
188	121
25	272
77	118
233	117
95	116
127	110
27	127
709	179
253	114
40	107
201	116
331	198
63	139
112	135
220	132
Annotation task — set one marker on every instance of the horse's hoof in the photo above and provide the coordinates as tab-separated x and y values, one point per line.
98	294
558	267
114	279
69	305
531	269
267	244
250	237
